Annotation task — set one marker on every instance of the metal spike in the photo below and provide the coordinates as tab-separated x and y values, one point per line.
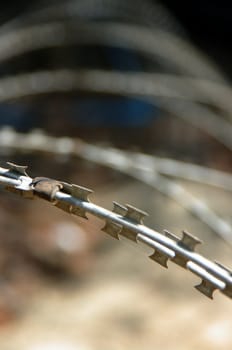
112	229
135	214
207	288
119	209
171	236
77	191
160	258
178	259
209	283
64	206
189	241
161	254
130	234
128	212
18	168
81	192
79	211
71	209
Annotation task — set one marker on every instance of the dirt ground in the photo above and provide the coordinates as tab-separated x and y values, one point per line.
125	300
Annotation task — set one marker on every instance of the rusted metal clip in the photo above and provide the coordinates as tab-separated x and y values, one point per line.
46	188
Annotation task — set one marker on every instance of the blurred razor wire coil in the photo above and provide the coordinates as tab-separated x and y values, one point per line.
120	84
156	44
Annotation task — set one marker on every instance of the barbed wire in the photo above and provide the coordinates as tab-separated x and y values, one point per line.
38	141
126	221
182	96
145	168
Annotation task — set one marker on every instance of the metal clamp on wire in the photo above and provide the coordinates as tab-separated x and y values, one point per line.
46	188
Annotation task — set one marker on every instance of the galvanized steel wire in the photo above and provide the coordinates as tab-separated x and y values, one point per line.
126	221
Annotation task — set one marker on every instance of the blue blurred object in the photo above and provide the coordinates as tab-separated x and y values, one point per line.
113	112
19	116
88	111
122	59
85	112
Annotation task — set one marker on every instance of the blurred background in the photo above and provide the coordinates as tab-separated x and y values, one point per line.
147	85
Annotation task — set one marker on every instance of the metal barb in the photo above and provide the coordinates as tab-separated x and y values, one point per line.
171	236
112	229
119	209
180	260
64	206
206	288
160	258
129	233
20	169
135	214
161	254
189	241
81	192
77	191
177	259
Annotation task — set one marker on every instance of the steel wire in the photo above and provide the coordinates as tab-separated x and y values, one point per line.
126	221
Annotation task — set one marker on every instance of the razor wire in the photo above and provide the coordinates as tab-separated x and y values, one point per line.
126	221
53	26
145	12
162	46
145	168
48	35
38	34
57	32
37	141
126	84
